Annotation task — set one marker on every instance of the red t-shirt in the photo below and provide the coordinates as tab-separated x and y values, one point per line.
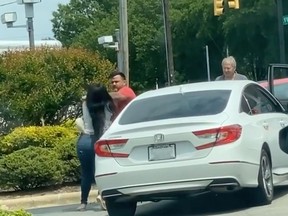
129	94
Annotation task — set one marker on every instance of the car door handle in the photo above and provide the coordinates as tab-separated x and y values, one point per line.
265	126
282	124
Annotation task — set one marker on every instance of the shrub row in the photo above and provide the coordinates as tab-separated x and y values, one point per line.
32	157
14	213
47	137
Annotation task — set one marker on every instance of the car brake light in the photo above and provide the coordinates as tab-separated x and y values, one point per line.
222	136
108	148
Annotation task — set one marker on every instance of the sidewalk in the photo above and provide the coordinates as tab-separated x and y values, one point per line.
43	199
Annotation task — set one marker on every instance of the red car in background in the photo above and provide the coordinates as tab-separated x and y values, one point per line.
280	90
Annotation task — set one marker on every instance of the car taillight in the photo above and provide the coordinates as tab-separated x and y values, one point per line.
222	136
108	148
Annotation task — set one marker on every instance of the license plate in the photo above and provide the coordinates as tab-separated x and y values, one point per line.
161	152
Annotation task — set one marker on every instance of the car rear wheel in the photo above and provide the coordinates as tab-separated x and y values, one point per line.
263	194
115	208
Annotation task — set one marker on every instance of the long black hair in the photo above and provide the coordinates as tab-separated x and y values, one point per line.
97	99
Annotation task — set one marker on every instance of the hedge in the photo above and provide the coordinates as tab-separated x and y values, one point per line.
47	136
33	157
40	86
14	213
31	167
66	151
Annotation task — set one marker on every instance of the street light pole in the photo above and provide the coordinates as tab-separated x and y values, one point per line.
168	43
124	50
29	15
281	31
30	27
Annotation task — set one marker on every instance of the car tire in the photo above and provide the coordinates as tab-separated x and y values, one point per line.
264	193
115	208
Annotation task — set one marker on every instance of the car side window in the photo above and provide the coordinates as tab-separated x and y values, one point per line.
259	101
245	106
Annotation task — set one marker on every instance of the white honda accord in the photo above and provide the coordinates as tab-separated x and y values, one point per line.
188	139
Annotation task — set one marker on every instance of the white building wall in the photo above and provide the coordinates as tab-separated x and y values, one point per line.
6	45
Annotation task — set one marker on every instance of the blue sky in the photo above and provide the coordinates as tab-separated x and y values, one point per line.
42	16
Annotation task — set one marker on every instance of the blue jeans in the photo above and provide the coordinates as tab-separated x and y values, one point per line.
86	155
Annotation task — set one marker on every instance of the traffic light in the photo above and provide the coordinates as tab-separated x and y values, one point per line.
233	4
218	7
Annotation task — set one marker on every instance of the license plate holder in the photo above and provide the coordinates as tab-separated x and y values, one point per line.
165	151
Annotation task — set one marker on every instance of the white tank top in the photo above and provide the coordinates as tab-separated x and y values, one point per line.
108	115
88	126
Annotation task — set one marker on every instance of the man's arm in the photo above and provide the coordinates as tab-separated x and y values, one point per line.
116	96
124	94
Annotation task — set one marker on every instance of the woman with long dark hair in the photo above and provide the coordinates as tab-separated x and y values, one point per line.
97	108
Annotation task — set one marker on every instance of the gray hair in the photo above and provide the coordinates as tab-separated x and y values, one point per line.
229	60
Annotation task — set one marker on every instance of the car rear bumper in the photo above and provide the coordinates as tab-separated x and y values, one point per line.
166	183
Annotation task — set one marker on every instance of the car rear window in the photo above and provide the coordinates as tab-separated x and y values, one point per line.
200	103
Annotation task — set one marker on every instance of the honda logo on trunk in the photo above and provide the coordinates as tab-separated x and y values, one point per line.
158	138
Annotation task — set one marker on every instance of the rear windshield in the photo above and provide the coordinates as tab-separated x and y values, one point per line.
200	103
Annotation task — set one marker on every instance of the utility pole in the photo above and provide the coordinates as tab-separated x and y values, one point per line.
124	49
29	15
168	43
119	53
281	31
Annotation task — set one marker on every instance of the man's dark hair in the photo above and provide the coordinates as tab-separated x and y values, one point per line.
115	73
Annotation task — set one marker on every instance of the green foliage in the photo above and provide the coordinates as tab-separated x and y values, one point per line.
48	147
14	213
71	20
146	38
46	137
250	34
31	167
69	123
66	151
44	86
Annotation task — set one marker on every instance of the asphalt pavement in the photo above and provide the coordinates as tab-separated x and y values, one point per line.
208	205
92	209
204	205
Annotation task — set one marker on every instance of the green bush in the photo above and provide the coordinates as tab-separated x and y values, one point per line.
31	167
69	123
47	137
14	213
43	85
66	150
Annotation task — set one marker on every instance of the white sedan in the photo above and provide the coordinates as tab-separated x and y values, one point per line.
188	139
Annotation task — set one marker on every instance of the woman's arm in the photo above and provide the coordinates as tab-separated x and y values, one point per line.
80	124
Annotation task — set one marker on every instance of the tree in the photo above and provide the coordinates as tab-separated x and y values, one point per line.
43	86
146	40
250	34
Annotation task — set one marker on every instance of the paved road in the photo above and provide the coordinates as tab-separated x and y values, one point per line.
209	204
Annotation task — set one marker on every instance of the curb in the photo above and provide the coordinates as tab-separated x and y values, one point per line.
29	202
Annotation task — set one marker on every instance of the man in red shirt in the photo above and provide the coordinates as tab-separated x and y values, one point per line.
122	94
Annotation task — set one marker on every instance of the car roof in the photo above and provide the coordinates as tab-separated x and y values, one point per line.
200	86
264	83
